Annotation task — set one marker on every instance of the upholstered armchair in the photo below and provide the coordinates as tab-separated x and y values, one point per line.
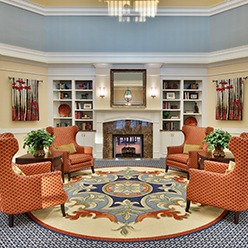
185	156
33	187
217	187
6	135
75	157
244	135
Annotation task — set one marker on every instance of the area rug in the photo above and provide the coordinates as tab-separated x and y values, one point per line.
128	204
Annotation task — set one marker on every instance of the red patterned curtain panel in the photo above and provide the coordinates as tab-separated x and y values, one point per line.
229	99
25	105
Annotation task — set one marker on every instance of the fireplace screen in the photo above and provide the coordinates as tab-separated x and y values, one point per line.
128	145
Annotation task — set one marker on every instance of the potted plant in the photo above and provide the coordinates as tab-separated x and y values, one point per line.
37	141
217	141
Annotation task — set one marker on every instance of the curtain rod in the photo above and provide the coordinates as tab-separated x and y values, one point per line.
214	81
39	81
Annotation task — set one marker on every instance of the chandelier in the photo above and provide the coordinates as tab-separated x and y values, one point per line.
136	10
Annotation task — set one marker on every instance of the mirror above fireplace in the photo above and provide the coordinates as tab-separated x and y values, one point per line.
128	87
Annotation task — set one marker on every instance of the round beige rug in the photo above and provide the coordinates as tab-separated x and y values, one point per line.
127	204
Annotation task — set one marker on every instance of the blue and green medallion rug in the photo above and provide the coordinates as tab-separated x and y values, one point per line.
128	204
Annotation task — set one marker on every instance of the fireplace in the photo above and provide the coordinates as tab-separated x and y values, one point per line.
127	145
127	138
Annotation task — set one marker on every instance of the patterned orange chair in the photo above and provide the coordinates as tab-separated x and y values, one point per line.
214	186
75	157
244	135
185	156
38	188
6	135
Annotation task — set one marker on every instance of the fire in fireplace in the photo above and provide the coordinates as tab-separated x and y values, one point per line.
128	145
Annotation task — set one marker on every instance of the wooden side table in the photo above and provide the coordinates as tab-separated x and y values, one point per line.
55	159
205	155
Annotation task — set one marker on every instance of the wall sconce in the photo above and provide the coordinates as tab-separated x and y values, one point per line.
102	92
153	92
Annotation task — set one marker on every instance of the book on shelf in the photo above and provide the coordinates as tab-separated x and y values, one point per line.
186	95
170	126
84	85
85	126
79	106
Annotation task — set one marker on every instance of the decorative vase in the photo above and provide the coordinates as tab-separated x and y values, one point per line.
39	152
218	152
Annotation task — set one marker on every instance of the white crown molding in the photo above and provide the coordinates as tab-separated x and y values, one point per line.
102	11
240	52
50	58
201	11
22	53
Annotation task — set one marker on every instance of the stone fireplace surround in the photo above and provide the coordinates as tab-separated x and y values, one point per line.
104	143
127	127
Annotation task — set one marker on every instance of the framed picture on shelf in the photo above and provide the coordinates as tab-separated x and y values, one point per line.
87	106
170	95
193	95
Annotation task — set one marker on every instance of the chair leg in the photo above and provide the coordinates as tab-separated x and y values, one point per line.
187	175
92	169
166	168
11	220
187	206
62	206
69	176
236	217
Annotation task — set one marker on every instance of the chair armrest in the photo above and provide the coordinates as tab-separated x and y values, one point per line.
214	166
199	175
209	187
58	151
65	154
174	149
193	161
50	182
36	188
65	157
35	168
84	149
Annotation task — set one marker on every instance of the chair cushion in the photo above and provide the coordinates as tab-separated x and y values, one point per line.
178	157
79	158
68	147
17	170
191	147
231	166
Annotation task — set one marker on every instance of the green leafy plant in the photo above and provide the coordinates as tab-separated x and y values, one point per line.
218	138
37	139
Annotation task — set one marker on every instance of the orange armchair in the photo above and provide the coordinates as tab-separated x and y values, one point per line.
38	188
78	159
185	156
244	135
212	186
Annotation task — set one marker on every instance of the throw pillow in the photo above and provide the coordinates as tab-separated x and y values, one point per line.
191	147
231	166
68	147
17	170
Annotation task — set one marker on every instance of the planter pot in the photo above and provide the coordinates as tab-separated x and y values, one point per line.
218	152
39	152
